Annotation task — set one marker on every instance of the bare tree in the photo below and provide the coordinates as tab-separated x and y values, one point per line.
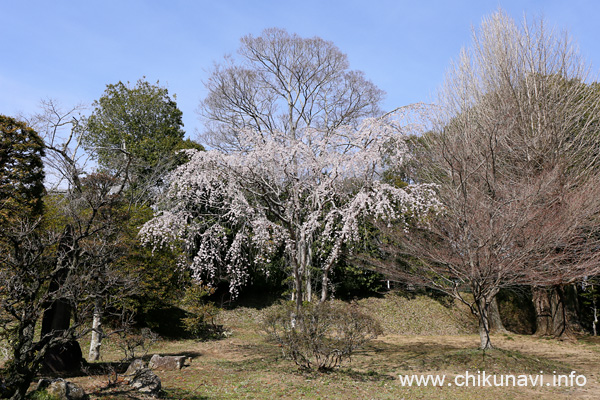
514	155
29	267
56	267
284	83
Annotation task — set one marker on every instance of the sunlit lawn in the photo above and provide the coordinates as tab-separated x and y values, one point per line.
247	366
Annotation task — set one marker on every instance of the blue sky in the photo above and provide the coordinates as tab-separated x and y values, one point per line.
70	50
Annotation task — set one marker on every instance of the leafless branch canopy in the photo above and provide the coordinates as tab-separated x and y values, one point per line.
284	83
514	153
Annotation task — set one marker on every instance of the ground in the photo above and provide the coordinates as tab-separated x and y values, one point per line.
421	336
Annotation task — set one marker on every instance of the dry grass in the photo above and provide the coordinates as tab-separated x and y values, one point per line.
420	315
246	366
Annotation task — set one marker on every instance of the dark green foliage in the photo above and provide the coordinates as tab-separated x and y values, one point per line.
200	322
21	250
159	279
355	282
516	310
143	121
186	144
589	301
21	170
320	335
164	319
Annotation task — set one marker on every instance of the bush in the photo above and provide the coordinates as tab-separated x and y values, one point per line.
135	345
201	323
320	336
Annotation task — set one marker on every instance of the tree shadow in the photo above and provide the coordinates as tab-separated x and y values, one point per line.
189	354
364	376
119	367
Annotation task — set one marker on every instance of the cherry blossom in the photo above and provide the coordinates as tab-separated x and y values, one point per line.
306	193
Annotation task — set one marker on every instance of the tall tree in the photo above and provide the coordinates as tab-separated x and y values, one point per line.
139	125
284	83
301	193
514	157
22	170
292	94
139	130
21	206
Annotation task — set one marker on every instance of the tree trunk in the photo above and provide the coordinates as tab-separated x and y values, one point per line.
496	324
301	268
483	307
567	306
308	291
543	311
556	311
308	273
560	318
595	321
298	288
298	271
325	281
96	341
324	284
19	374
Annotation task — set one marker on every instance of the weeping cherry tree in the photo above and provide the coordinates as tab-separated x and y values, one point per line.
306	195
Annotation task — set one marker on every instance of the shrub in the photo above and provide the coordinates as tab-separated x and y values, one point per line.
201	320
320	336
135	345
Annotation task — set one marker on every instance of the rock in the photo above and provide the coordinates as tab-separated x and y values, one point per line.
58	389
134	367
63	357
42	384
76	392
167	362
63	390
146	381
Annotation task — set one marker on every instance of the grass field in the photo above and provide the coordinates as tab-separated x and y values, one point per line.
421	337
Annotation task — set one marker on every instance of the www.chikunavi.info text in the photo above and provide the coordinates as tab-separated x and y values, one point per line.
483	379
